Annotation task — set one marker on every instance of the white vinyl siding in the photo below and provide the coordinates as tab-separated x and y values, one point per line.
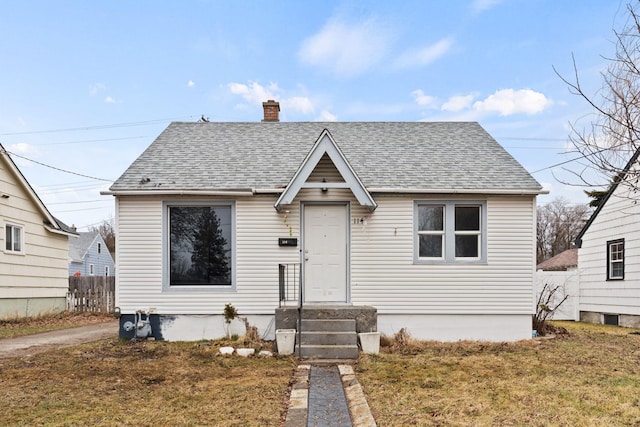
382	271
41	270
258	227
385	276
618	219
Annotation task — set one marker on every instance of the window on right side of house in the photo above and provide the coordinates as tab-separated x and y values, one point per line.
615	259
450	231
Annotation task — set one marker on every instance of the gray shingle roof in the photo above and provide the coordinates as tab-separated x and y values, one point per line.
398	155
78	246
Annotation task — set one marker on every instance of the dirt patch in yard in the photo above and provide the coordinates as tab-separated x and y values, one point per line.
147	383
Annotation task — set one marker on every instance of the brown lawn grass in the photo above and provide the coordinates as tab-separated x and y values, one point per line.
20	326
115	382
590	377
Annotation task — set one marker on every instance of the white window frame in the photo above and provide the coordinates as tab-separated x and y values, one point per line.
91	269
20	228
166	280
106	270
615	246
99	247
450	233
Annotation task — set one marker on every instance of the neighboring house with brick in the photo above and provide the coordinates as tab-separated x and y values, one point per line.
89	256
34	248
431	224
609	255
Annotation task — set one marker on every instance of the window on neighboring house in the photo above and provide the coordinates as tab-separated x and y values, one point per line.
106	271
99	247
91	269
615	259
200	244
14	236
450	231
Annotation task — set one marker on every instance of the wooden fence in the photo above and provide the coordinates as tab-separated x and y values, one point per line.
96	294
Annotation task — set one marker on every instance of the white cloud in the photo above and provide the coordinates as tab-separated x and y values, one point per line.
425	55
482	5
95	88
346	48
254	92
326	116
422	99
109	100
298	103
191	83
458	103
23	148
508	101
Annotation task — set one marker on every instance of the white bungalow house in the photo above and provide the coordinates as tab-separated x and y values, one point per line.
33	248
430	225
609	256
89	256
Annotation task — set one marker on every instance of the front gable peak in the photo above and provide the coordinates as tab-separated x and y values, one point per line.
325	144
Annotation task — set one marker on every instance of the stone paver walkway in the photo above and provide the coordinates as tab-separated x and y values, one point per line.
327	396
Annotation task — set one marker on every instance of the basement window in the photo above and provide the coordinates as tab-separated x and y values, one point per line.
611	319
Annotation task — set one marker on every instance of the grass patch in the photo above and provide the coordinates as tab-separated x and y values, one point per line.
144	383
21	326
589	375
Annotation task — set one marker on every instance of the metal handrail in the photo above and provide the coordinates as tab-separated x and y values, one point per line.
300	299
288	279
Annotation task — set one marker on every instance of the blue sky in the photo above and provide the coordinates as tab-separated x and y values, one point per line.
85	87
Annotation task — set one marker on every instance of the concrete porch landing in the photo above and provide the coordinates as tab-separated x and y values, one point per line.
366	317
328	332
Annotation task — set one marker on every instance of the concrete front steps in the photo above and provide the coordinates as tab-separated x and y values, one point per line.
329	339
329	332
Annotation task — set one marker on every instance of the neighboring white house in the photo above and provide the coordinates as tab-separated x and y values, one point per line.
609	257
89	256
561	271
433	224
33	249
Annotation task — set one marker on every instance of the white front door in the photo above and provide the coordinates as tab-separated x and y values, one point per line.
325	253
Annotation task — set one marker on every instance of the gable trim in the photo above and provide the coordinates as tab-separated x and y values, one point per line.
325	144
50	223
614	185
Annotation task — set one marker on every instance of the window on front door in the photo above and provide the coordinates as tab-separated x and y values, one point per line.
615	259
450	231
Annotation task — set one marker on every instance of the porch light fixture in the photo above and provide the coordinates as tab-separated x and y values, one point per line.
324	189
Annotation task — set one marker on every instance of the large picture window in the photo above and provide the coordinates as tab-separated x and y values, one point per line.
200	245
13	238
450	231
615	259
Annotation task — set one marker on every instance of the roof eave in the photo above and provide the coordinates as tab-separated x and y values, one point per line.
498	191
145	192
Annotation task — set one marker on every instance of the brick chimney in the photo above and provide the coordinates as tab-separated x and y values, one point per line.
271	111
